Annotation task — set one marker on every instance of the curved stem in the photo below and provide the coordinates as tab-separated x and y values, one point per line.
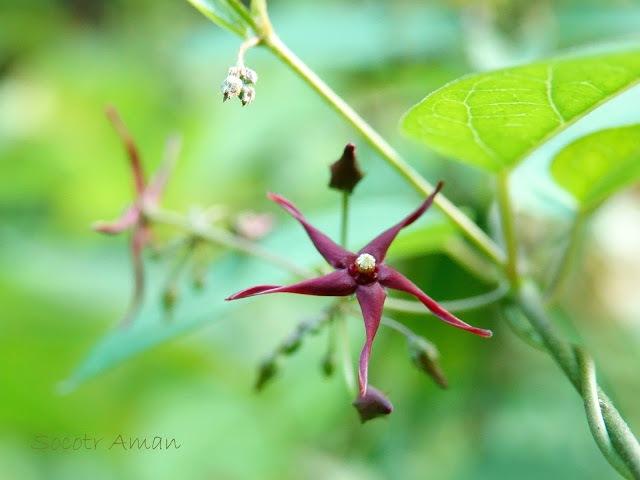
464	304
470	229
246	45
620	436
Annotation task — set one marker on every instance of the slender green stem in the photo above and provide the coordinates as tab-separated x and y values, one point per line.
398	327
573	365
508	227
566	261
461	305
347	367
345	220
224	238
470	229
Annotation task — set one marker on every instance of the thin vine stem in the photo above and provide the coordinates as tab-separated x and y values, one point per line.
508	227
579	369
224	238
470	229
566	261
461	305
345	220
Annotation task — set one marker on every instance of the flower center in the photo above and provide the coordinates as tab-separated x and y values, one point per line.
366	263
364	269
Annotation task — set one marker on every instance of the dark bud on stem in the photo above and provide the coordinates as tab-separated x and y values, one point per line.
266	371
170	297
425	356
346	172
328	364
374	404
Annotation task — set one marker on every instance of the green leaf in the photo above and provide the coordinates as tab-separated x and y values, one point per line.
234	272
222	13
494	120
596	166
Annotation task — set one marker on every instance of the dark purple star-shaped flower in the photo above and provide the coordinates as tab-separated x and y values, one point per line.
362	273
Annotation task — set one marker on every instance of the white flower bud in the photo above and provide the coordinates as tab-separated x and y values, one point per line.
231	87
233	71
247	95
249	76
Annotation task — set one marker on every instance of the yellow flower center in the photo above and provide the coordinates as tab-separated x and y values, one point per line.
366	263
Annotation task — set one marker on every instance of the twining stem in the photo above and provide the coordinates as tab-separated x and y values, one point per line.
623	441
566	261
594	413
508	227
224	238
470	229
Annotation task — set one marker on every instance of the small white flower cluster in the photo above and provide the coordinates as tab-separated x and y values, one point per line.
239	83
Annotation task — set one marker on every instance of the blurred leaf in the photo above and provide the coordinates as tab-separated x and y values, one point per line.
596	166
220	12
494	120
153	325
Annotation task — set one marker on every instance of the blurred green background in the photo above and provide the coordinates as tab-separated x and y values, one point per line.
509	412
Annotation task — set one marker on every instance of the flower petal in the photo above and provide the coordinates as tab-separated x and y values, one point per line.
335	284
335	255
378	246
156	185
127	220
371	298
129	145
390	278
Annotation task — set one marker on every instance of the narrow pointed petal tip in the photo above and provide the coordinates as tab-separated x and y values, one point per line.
335	255
372	405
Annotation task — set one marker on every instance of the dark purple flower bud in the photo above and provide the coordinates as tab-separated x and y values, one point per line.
372	404
346	172
425	356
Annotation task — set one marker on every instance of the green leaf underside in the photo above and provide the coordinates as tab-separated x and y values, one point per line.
494	120
234	272
596	166
219	11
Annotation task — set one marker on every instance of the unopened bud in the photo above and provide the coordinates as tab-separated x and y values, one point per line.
372	405
250	77
247	95
425	356
169	298
346	172
234	71
266	371
328	364
292	344
231	87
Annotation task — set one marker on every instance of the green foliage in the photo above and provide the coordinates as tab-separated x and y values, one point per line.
596	166
223	14
494	120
